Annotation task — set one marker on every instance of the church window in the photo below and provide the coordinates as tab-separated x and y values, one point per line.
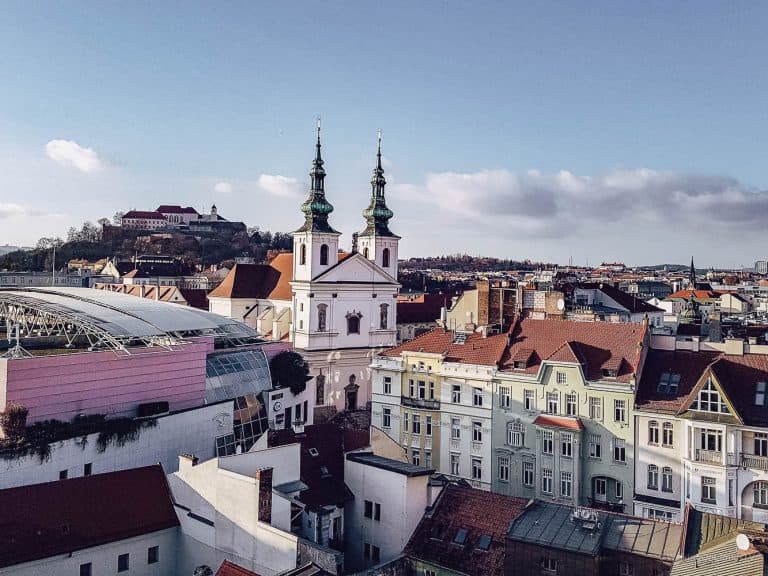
353	324
383	313
322	316
320	385
324	255
365	252
385	258
303	255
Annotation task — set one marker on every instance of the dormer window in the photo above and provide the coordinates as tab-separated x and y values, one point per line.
760	395
710	400
610	373
668	383
520	365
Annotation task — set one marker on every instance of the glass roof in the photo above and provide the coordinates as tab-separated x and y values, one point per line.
234	373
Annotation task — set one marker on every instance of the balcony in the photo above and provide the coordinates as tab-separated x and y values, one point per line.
420	403
714	457
754	461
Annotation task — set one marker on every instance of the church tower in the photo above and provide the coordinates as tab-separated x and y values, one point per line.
692	276
315	244
377	242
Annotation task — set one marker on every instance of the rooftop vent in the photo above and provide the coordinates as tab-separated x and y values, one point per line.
586	519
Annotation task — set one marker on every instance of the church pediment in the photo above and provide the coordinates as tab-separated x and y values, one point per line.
355	269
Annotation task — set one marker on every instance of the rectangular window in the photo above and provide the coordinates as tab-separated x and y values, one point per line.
455	464
406	425
653	432
87	469
528	474
375	554
386	417
387	385
416	457
566	484
667	435
653	477
553	403
595	446
561	378
429	425
516	434
760	394
63	474
619	450
620	410
377	511
503	468
153	555
570	404
505	397
549	565
566	444
368	509
411	388
455	428
422	390
86	569
708	490
123	562
477	397
428	459
546	480
456	394
477	432
761	444
416	424
666	479
529	399
477	469
547	442
595	408
619	490
431	390
600	487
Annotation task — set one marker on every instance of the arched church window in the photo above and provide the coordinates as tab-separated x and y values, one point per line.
303	254
322	317
324	255
383	313
365	252
385	258
353	323
320	389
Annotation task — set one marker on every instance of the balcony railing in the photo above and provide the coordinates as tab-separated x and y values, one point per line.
714	457
420	403
754	461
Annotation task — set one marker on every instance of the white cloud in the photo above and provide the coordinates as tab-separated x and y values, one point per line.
69	153
11	210
223	188
283	186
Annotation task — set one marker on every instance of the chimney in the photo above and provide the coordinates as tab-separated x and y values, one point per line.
141	290
264	478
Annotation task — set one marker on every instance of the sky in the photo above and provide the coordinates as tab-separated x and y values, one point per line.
600	131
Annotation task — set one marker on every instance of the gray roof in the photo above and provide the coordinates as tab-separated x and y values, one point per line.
404	468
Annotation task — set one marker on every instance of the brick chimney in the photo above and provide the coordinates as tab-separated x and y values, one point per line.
264	478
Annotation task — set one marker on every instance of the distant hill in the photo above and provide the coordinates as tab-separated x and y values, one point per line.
7	249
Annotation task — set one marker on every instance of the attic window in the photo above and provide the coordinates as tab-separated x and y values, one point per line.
520	364
610	372
668	383
710	400
760	395
484	543
313	452
461	536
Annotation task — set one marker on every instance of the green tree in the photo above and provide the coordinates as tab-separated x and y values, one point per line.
290	369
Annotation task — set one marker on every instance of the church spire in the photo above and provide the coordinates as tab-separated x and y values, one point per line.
316	208
377	215
692	275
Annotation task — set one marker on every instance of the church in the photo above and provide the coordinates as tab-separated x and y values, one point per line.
338	309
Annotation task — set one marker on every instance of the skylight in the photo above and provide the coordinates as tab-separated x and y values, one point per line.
461	536
484	543
668	383
313	452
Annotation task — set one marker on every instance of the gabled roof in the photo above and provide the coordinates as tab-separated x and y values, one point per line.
476	512
228	568
55	518
689	293
261	281
355	268
474	350
624	299
597	346
143	215
173	209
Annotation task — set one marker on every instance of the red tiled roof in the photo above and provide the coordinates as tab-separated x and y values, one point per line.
479	513
171	209
144	215
55	518
475	350
597	345
227	568
558	422
738	376
283	263
426	308
195	297
247	281
687	294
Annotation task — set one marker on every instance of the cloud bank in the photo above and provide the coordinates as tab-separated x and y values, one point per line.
11	210
223	188
281	186
70	154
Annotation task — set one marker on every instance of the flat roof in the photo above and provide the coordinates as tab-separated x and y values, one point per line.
404	468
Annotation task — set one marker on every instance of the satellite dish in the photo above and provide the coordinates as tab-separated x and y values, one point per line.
742	542
560	304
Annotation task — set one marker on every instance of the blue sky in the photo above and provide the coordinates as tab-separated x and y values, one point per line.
616	131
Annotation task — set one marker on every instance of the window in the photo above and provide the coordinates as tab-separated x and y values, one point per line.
123	561
505	398
761	444
428	572
455	428
546	480
456	394
566	444
484	543
383	316
429	425
385	258
365	252
528	475
86	569
503	468
570	404
566	484
529	400
711	440
406	419
353	324
653	477
303	255
619	410
477	397
760	494
477	431
153	555
320	389
477	469
455	464
431	389
619	490
600	487
387	385
416	457
668	383
653	432
626	569
422	389
547	442
549	565
411	388
619	450
666	479
461	536
709	400
595	446
386	417
667	435
655	514
560	378
760	394
322	317
368	511
708	490
324	255
416	428
63	474
516	434
553	401
595	408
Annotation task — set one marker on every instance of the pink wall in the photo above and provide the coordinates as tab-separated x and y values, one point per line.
63	386
272	349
